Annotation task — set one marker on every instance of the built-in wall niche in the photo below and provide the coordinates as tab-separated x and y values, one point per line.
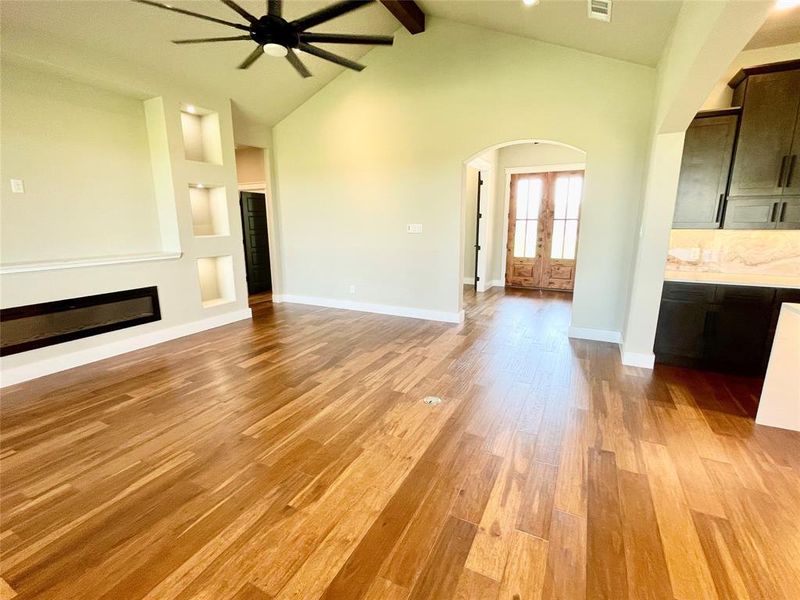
209	210
201	137
215	274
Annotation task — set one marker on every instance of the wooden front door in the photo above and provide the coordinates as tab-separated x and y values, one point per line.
256	244
544	212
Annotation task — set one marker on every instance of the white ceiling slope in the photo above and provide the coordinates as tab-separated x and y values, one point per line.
127	46
132	42
637	33
781	27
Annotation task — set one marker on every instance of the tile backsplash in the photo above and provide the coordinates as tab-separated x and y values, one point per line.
729	251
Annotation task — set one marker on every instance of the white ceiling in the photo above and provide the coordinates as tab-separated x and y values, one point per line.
781	27
637	33
125	44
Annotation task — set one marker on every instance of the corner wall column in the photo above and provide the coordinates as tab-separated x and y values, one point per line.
653	245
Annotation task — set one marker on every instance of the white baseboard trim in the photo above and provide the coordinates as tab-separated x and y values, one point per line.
644	360
48	366
596	335
381	309
484	285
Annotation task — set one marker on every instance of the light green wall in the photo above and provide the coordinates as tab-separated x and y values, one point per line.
103	208
376	150
83	155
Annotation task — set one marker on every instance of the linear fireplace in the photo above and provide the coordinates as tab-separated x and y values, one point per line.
37	325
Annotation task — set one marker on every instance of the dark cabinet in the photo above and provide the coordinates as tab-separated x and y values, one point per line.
707	152
763	213
739	321
766	143
791	183
741	166
720	327
682	324
788	216
752	213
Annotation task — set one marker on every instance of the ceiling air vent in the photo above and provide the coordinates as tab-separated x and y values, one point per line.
600	10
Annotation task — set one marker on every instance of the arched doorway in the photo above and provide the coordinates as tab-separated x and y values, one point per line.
530	241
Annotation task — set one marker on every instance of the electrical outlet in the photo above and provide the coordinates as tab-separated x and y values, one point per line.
17	186
414	228
352	289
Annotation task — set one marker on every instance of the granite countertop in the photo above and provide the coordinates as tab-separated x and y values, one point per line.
777	281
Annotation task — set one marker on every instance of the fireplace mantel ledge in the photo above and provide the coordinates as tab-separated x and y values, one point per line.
95	261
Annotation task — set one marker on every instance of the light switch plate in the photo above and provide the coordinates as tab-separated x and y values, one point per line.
414	228
17	186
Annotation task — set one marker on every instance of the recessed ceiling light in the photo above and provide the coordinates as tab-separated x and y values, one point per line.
199	186
190	109
530	2
275	50
786	4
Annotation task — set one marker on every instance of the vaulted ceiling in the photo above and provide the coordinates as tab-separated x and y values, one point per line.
127	45
637	33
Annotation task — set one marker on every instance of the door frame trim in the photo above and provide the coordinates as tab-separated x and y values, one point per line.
507	197
488	173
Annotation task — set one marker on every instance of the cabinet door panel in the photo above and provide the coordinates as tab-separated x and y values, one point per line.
737	335
705	167
751	213
791	185
680	330
688	292
744	294
789	214
765	136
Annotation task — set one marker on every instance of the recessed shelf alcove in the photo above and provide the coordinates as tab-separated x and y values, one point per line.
215	274
201	136
209	210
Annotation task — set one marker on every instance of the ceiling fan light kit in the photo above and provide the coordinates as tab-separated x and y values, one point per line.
279	38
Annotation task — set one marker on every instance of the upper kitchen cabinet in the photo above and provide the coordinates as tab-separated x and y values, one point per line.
765	162
707	152
791	184
789	213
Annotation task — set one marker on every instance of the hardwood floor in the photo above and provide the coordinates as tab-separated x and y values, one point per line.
259	298
293	457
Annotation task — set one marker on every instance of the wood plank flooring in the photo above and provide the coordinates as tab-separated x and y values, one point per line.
293	457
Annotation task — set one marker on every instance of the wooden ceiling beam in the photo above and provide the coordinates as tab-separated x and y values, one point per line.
408	13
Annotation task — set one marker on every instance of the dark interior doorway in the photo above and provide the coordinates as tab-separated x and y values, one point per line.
256	242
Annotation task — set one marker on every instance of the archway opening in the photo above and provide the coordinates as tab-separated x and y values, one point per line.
521	210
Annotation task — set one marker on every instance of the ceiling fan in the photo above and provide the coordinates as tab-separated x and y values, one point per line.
278	37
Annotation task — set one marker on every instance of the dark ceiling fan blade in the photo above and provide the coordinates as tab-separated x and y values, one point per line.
216	39
253	57
330	56
346	38
297	64
233	6
193	14
275	8
328	13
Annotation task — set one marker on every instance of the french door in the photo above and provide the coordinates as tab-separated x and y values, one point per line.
543	221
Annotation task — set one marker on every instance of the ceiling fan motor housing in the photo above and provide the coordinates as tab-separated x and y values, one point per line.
270	29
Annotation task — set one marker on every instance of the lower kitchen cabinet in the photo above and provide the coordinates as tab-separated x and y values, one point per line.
718	327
